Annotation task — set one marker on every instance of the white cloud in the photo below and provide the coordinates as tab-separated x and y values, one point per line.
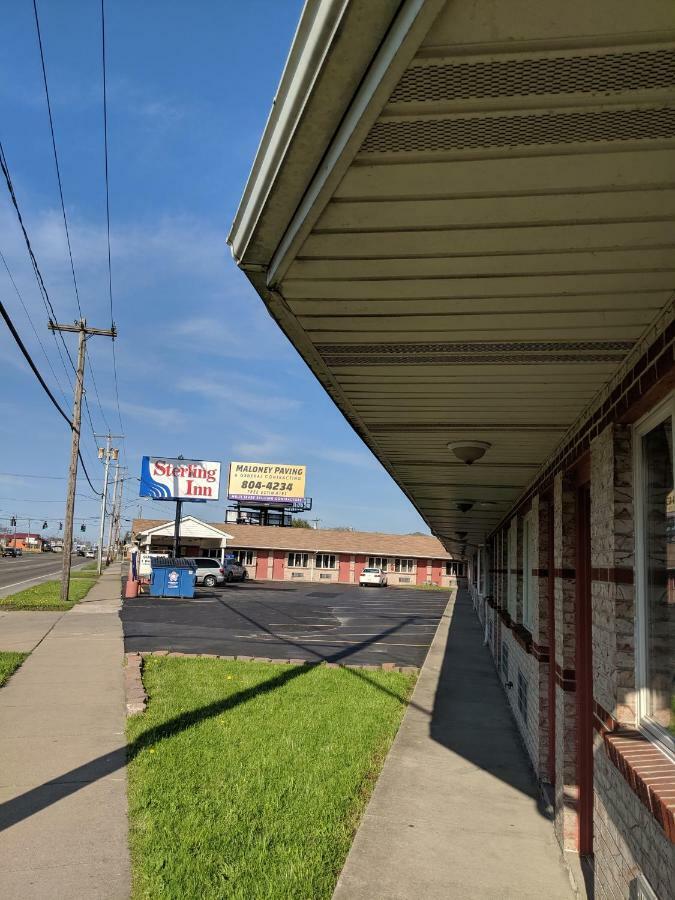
239	392
344	457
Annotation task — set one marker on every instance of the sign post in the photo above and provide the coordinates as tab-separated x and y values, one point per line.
176	529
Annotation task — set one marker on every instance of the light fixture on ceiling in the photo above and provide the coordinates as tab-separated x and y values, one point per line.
464	505
469	451
461	534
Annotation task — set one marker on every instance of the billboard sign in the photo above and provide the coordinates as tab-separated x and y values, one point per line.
163	478
266	482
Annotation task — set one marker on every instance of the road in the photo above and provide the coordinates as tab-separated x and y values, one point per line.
29	569
336	622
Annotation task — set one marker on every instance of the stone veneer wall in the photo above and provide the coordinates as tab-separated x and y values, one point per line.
627	839
566	789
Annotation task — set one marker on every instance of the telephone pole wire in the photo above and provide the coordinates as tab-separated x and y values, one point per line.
83	331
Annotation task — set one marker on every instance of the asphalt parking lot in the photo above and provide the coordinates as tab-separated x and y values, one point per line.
333	622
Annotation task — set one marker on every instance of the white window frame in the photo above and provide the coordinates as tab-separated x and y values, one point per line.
244	557
295	555
528	586
326	561
512	565
404	566
645	724
378	562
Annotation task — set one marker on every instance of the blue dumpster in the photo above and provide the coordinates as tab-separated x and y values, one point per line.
172	577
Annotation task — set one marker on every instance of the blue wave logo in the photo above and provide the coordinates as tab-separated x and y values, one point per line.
150	487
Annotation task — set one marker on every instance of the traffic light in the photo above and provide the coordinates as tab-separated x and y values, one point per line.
44	525
14	521
60	526
83	527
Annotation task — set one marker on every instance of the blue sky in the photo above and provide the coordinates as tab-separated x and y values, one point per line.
203	370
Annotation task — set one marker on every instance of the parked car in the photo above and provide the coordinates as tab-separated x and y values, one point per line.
12	551
378	577
234	571
209	571
90	554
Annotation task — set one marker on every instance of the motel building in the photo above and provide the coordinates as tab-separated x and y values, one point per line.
462	215
271	553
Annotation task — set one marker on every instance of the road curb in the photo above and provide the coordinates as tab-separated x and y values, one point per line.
133	674
136	698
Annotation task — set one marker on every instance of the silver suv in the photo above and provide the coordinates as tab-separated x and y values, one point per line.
209	571
234	571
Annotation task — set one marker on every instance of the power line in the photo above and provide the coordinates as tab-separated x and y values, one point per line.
51	315
43	383
107	213
56	158
63	210
32	324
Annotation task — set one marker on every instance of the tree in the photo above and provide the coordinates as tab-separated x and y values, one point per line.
301	523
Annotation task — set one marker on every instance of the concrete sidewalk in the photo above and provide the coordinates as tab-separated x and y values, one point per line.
63	805
455	813
22	630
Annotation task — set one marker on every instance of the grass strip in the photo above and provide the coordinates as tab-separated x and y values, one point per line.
9	663
47	595
247	780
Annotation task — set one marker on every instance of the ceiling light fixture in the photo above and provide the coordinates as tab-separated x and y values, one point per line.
464	505
469	451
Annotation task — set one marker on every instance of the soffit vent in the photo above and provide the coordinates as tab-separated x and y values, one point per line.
464	359
477	347
464	133
611	73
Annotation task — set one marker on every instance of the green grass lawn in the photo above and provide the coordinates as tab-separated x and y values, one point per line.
9	663
47	596
247	780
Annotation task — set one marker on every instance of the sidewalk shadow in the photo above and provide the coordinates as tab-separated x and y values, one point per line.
471	716
39	798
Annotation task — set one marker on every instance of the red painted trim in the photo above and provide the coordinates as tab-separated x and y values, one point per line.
616	575
584	668
550	612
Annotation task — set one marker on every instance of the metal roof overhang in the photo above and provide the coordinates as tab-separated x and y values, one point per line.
463	216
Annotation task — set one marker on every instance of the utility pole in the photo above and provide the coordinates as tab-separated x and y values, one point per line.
106	454
80	328
113	535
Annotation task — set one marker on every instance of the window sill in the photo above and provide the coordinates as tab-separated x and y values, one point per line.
523	637
649	773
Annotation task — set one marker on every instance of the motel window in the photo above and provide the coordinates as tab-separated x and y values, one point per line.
528	585
244	557
511	564
455	568
298	560
655	545
404	565
325	561
377	562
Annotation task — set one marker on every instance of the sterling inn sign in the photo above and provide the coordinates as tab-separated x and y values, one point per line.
179	479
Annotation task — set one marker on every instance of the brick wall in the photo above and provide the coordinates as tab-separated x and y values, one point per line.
627	839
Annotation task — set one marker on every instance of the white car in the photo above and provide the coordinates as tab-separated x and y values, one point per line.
378	577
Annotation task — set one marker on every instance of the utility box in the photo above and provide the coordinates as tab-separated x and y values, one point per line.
172	577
